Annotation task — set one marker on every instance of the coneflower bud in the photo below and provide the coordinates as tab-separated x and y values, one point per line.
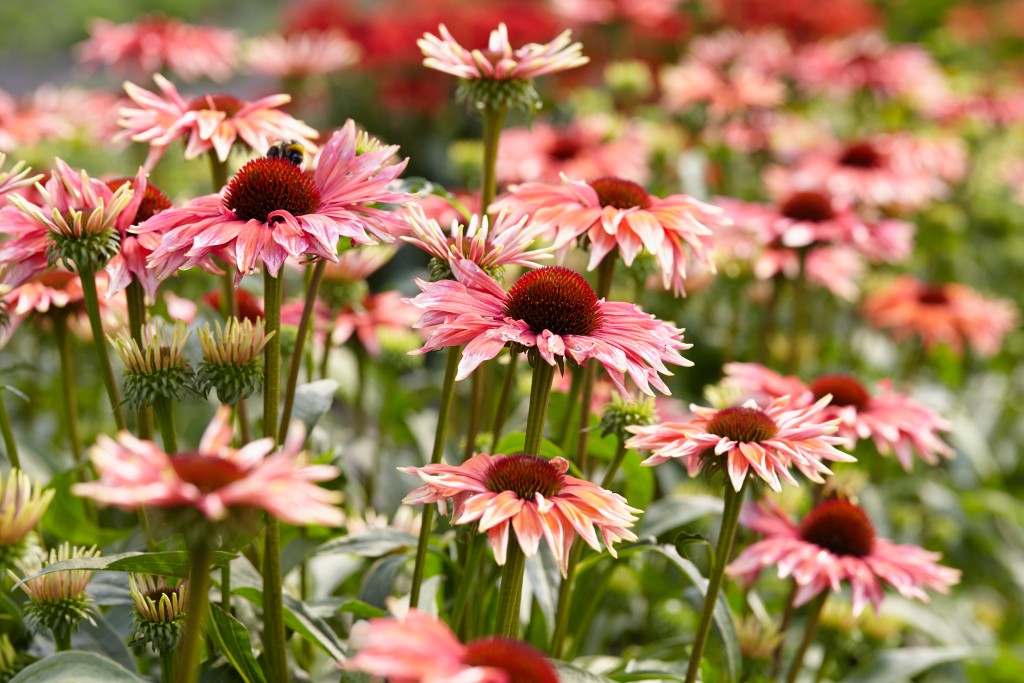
620	413
22	505
57	601
232	359
158	370
486	93
159	611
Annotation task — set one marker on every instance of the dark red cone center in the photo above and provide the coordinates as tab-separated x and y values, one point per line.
229	104
620	194
934	295
840	527
207	473
525	475
153	202
565	147
745	425
265	185
554	299
809	206
522	663
845	390
861	155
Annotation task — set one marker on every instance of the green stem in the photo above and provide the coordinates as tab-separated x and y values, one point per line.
501	412
218	171
571	399
225	588
136	297
787	617
476	402
67	381
167	665
274	646
467	582
723	551
494	119
799	326
9	444
62	638
300	345
767	331
187	666
447	393
87	275
511	592
605	273
362	380
245	433
165	422
540	390
613	469
810	631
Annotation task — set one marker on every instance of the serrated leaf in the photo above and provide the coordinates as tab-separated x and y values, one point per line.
312	401
76	667
898	666
172	563
369	543
232	638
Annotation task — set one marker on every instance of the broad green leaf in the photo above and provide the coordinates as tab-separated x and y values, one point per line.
639	489
672	512
567	673
76	667
169	563
379	578
898	666
232	638
369	543
362	609
299	617
66	518
312	401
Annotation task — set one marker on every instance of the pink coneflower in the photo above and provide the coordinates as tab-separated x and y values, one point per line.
445	211
271	210
640	12
613	212
836	542
376	313
588	147
215	478
499	62
130	261
490	244
530	495
16	178
422	649
554	311
297	55
24	123
893	421
156	43
891	171
767	440
951	314
210	122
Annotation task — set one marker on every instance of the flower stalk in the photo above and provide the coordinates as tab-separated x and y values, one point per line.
605	273
501	412
200	556
136	297
87	274
810	631
10	445
312	289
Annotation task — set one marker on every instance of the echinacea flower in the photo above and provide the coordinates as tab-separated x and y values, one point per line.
836	542
216	478
490	244
15	178
613	212
647	13
129	263
22	504
271	210
232	359
530	495
895	422
57	600
159	611
210	122
739	439
422	649
944	313
553	310
368	319
298	55
154	43
156	370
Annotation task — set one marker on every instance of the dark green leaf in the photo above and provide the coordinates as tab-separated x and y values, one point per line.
362	609
299	617
232	638
369	543
169	563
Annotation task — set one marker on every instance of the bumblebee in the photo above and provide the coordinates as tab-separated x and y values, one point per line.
289	150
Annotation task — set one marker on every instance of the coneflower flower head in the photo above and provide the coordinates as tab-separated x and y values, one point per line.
57	600
157	370
232	359
15	178
22	504
620	413
159	611
80	215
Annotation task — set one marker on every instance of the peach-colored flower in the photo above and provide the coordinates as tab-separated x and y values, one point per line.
895	422
639	12
766	440
836	542
366	319
129	263
24	122
951	314
271	210
216	478
422	649
210	122
554	311
499	61
296	55
530	495
588	147
613	212
154	43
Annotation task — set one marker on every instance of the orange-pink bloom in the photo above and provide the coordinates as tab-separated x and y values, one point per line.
209	122
768	441
952	314
836	542
529	495
215	478
554	311
422	649
297	55
613	212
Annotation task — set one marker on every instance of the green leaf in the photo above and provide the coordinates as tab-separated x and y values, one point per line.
362	609
639	489
516	441
312	401
672	512
567	673
647	676
299	617
898	666
66	517
76	667
172	563
232	638
369	543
